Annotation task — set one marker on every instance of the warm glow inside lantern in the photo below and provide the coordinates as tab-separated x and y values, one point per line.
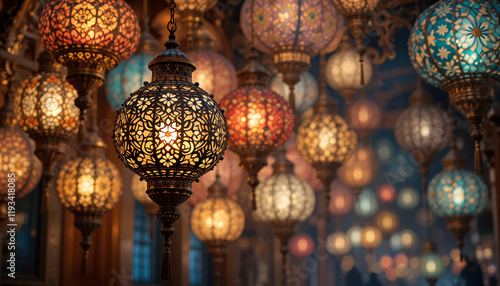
387	221
342	199
366	205
386	193
338	243
365	116
360	169
354	235
371	237
301	245
408	198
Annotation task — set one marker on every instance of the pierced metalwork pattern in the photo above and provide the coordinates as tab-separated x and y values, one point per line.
89	184
284	197
44	106
311	24
171	130
89	32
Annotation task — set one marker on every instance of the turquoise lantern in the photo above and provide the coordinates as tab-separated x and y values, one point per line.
366	204
454	45
456	194
431	265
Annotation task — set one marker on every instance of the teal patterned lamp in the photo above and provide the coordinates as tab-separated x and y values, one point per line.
455	46
431	265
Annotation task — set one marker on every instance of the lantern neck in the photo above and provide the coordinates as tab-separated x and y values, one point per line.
453	160
326	104
420	96
253	74
217	189
47	63
172	64
429	247
282	164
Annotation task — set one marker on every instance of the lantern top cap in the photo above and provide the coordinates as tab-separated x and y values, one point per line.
171	62
282	164
420	96
453	160
253	74
217	189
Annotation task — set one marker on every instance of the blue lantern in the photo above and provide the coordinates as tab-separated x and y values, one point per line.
454	45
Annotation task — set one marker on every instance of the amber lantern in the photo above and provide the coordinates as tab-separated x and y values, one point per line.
341	200
138	189
292	31
408	239
365	116
88	37
213	71
371	237
338	243
388	222
301	245
386	193
217	221
259	120
20	169
325	140
170	132
284	200
192	14
44	107
360	169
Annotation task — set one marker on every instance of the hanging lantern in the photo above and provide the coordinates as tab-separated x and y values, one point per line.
217	221
20	168
431	265
129	76
292	31
338	243
366	205
408	198
388	222
301	245
192	14
386	193
454	46
213	71
371	237
343	71
259	120
88	38
360	169
423	130
284	201
305	91
365	116
341	201
408	239
138	189
184	139
354	235
44	108
456	194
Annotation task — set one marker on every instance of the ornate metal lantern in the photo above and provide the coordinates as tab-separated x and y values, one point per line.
292	31
259	120
44	108
88	38
431	265
284	200
360	169
305	91
454	46
217	221
365	116
192	13
170	132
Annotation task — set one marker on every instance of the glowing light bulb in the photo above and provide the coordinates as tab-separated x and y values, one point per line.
302	244
168	133
363	115
458	196
425	131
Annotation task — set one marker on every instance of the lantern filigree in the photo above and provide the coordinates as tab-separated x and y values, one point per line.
360	169
454	45
259	120
170	132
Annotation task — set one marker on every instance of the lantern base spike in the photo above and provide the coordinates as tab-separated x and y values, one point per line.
283	230
252	162
459	226
87	223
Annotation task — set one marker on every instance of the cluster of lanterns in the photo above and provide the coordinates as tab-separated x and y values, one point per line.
171	131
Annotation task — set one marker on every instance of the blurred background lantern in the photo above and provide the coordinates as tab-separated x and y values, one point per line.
191	12
388	222
338	243
386	193
431	265
217	221
360	169
130	75
384	149
354	235
371	237
366	205
259	120
301	245
341	202
292	31
343	71
44	108
214	72
365	116
305	91
425	217
395	242
409	239
139	189
454	46
284	201
408	198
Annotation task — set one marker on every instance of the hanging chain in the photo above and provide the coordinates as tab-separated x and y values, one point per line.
172	26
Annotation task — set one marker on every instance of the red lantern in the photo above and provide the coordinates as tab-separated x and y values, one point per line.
386	193
301	245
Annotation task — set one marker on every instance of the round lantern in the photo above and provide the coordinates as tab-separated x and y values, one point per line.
342	200
408	198
292	31
170	132
386	193
192	14
343	71
360	169
213	71
371	237
408	239
354	235
88	38
306	90
365	116
431	265
338	244
259	120
388	222
454	45
366	205
301	245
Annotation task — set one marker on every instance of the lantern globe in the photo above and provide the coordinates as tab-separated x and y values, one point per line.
306	90
365	116
387	221
386	193
342	199
366	205
354	235
408	198
408	239
98	34
431	266
338	243
360	169
301	245
371	237
350	8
